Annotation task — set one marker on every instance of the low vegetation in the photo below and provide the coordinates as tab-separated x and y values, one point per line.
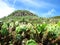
24	28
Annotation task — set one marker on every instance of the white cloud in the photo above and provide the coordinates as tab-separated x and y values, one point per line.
34	3
5	9
14	3
50	13
29	2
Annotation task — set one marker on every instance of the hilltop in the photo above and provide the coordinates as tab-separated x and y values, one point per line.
22	13
19	15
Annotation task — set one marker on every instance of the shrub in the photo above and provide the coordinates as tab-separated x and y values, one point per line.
4	32
31	42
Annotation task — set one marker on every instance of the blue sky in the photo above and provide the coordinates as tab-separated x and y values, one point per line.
43	8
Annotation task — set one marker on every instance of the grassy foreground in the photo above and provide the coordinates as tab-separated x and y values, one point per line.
25	28
24	33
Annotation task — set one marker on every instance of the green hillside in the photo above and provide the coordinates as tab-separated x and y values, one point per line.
19	15
56	17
